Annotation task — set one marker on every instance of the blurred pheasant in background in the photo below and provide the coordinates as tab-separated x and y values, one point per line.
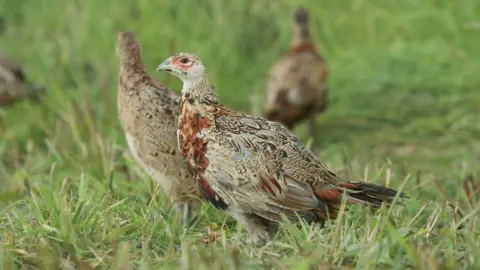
253	168
13	83
148	113
297	83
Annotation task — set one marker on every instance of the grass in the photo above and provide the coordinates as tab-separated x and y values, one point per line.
404	112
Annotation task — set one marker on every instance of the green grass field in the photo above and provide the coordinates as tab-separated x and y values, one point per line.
404	112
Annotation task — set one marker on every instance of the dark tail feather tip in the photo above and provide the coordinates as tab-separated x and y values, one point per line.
373	193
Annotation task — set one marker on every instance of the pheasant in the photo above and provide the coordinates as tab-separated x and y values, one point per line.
13	83
148	113
297	82
255	169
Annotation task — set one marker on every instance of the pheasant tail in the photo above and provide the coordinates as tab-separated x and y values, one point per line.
357	193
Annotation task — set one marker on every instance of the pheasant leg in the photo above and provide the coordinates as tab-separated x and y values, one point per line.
259	230
184	212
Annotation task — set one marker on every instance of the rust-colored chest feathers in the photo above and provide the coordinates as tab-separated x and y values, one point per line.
193	148
191	144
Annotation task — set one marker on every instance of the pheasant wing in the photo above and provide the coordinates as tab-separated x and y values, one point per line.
245	169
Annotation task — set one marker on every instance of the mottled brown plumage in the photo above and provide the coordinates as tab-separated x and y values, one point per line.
148	113
13	83
253	168
297	82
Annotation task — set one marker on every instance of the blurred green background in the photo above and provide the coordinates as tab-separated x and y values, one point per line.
404	79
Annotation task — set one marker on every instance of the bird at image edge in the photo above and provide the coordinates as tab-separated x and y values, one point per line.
14	85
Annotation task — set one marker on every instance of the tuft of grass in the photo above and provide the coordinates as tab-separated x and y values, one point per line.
404	113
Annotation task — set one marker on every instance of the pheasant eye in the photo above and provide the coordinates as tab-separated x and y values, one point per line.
184	60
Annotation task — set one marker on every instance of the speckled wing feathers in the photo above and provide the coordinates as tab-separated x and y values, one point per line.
261	167
248	158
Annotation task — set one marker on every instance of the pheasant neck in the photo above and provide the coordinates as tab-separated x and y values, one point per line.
301	35
199	90
131	69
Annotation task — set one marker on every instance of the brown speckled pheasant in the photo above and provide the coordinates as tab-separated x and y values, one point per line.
254	168
297	82
148	114
13	83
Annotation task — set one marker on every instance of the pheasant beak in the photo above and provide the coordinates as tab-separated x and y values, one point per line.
165	66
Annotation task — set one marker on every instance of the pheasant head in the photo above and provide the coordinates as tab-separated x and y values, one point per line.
300	16
185	66
190	69
301	32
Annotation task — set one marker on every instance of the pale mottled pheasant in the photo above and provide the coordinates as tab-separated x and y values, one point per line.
148	113
297	82
254	168
13	83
